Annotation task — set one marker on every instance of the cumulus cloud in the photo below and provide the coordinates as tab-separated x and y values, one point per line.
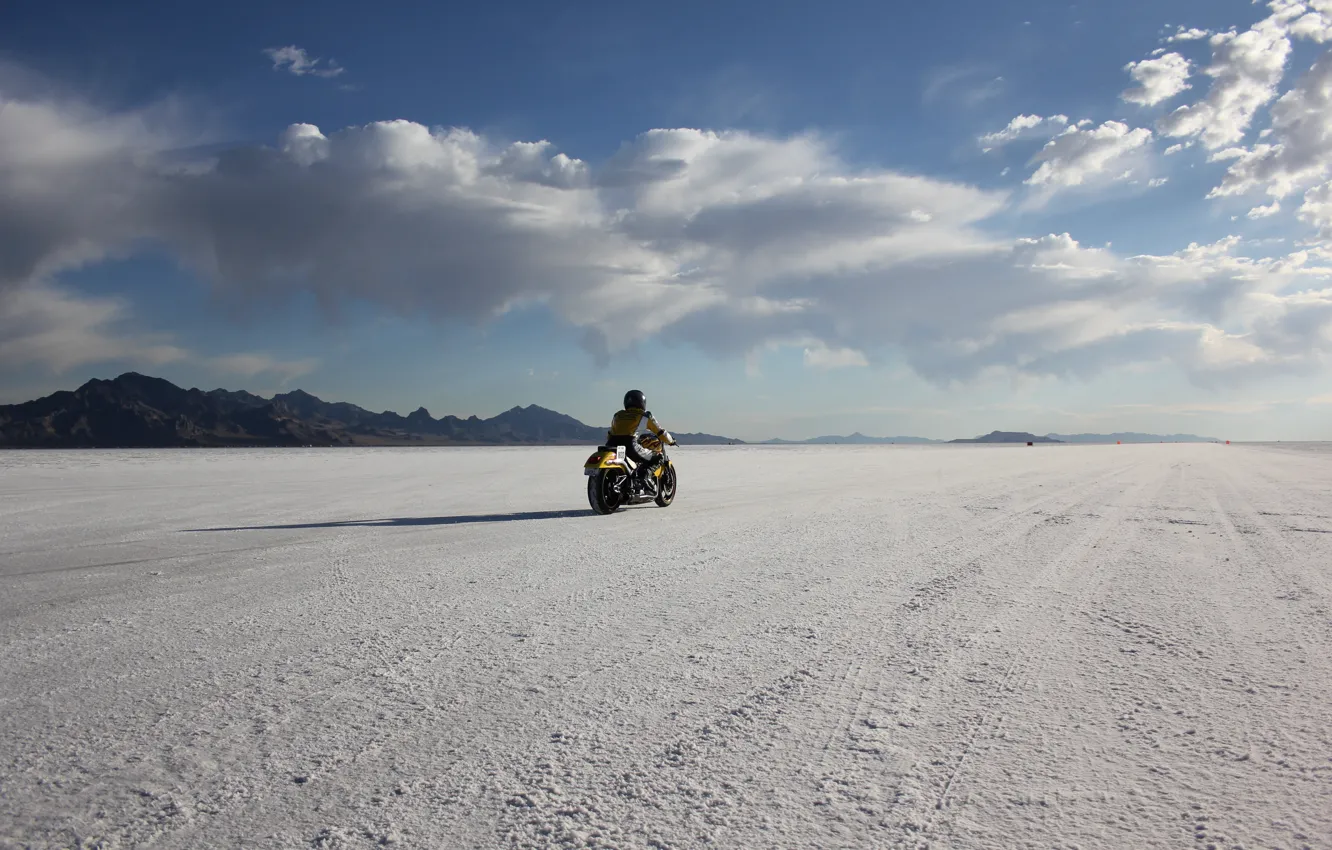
1024	127
295	60
1311	20
75	183
1298	151
1317	209
54	329
732	241
1189	34
1158	80
1245	70
1077	155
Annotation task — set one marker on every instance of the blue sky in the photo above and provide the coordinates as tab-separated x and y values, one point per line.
778	219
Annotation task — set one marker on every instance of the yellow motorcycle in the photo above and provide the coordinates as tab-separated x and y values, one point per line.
612	484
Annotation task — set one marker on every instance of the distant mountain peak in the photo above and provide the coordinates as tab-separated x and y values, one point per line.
141	411
136	379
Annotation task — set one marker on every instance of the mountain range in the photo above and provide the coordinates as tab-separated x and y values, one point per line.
140	411
136	410
856	439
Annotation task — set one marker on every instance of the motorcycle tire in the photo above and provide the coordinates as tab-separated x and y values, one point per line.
604	493
666	487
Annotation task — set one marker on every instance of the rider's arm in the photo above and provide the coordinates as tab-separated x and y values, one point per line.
656	428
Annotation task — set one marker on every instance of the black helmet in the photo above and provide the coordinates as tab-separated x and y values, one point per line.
635	399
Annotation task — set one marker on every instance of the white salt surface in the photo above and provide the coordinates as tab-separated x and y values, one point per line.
1098	646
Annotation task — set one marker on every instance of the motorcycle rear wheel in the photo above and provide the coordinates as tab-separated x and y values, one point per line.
604	493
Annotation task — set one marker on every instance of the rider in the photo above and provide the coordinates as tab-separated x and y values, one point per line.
624	426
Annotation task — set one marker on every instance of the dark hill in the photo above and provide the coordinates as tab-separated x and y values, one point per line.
136	410
1008	437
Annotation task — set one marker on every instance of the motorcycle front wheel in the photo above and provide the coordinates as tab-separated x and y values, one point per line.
666	486
604	491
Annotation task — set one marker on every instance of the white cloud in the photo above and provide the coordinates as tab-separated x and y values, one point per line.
54	329
822	357
730	240
1265	212
969	85
1077	155
1156	182
73	184
296	61
1176	148
1317	209
1298	151
1158	80
1189	34
1314	24
1024	127
250	364
1245	70
60	330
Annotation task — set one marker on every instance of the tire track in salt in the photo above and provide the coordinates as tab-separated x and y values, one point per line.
1149	624
1261	521
705	753
811	701
1029	658
955	564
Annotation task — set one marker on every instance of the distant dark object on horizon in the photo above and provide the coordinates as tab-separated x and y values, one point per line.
1132	437
1008	437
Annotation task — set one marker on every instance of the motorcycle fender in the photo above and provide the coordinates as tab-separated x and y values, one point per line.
606	460
593	470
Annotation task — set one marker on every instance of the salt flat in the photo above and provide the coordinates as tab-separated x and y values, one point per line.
1091	646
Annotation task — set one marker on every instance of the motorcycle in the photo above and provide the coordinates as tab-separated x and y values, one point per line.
612	484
